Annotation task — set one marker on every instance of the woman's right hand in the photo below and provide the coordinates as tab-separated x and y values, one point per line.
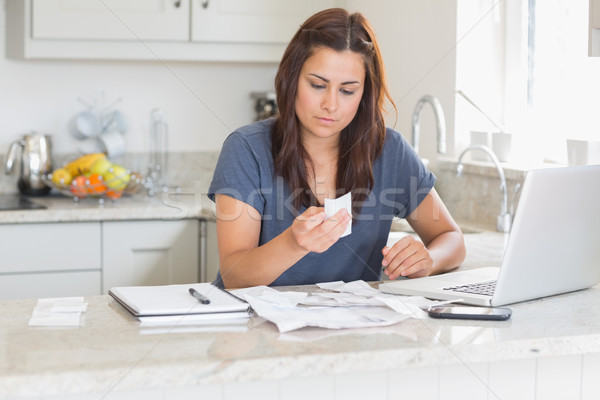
314	232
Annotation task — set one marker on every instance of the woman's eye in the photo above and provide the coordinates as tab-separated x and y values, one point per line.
347	92
317	86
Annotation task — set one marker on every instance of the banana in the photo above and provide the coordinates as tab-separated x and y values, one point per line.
83	164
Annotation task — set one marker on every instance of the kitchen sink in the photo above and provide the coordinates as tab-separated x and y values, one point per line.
11	202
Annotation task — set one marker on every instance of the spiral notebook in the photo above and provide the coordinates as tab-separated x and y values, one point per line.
175	300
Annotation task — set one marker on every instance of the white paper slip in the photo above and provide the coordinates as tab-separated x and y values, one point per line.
334	205
62	311
176	300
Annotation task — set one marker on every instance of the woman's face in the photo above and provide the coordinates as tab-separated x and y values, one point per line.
330	87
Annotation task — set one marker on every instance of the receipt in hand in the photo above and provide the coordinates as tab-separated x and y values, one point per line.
334	205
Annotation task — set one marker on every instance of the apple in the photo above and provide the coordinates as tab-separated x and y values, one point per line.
116	177
100	166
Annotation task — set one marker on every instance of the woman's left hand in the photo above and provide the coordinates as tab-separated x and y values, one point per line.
407	257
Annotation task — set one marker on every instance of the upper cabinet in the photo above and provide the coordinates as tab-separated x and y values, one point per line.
110	20
161	30
243	21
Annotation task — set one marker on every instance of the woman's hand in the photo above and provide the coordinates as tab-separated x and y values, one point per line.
313	231
407	257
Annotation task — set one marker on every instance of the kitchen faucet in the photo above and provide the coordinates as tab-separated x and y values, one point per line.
440	123
504	219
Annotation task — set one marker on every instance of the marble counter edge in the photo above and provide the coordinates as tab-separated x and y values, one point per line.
145	375
66	210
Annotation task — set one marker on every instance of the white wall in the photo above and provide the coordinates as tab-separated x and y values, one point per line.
202	102
417	39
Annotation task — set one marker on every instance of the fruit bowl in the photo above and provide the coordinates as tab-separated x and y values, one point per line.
93	175
95	187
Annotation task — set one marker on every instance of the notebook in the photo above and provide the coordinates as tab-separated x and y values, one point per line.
176	300
553	247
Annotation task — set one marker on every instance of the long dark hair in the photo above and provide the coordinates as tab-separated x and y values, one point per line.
362	140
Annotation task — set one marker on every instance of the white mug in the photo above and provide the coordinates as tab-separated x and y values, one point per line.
112	143
501	143
583	152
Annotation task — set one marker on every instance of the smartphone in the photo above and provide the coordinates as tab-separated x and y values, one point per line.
468	312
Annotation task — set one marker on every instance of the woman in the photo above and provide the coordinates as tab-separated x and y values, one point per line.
329	139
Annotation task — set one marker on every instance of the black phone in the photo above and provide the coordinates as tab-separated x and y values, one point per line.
470	312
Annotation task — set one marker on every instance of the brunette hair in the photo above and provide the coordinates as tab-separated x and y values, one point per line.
362	140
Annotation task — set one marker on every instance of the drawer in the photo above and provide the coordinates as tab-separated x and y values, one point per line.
50	284
50	247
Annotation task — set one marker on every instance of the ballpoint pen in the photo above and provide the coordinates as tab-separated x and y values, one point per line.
201	298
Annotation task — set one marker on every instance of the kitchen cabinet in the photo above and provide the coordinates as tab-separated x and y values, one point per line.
161	30
110	20
88	258
136	253
258	21
212	251
50	260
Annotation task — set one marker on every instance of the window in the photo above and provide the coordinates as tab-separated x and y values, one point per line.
526	64
564	82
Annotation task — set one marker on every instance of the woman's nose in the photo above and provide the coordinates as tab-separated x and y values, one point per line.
330	101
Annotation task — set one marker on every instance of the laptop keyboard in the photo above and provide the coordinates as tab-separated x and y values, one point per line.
483	288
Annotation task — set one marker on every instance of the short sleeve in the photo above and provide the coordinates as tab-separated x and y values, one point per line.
408	181
237	173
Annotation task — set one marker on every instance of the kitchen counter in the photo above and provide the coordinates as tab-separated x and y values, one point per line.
173	205
111	355
190	176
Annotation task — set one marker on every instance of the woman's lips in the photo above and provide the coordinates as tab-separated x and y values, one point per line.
325	120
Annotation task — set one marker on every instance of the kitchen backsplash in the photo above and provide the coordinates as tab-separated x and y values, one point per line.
475	198
188	170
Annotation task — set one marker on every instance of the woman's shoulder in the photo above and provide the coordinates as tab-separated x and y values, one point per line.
394	141
255	132
254	138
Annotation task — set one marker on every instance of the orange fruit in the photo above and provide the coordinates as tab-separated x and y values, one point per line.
78	186
114	194
95	184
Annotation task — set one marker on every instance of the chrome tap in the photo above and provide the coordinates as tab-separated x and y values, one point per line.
504	220
439	119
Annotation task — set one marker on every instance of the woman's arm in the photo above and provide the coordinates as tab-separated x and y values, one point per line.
442	247
243	263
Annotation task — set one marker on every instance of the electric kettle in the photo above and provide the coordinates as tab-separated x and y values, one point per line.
36	161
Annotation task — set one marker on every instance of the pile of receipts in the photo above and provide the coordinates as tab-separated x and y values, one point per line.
62	311
339	305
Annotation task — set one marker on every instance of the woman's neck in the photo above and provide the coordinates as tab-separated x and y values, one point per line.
322	151
321	167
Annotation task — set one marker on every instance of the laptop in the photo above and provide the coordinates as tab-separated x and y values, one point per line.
554	246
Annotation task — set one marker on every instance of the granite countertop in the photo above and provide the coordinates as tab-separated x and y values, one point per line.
111	352
172	205
190	175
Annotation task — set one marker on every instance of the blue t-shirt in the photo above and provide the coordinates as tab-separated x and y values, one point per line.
244	171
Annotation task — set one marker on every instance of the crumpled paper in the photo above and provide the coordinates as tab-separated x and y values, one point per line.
343	305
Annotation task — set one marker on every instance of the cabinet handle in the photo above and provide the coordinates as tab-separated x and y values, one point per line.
204	4
177	3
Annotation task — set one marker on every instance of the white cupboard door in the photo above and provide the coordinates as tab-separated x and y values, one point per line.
251	21
140	253
51	247
50	284
128	20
